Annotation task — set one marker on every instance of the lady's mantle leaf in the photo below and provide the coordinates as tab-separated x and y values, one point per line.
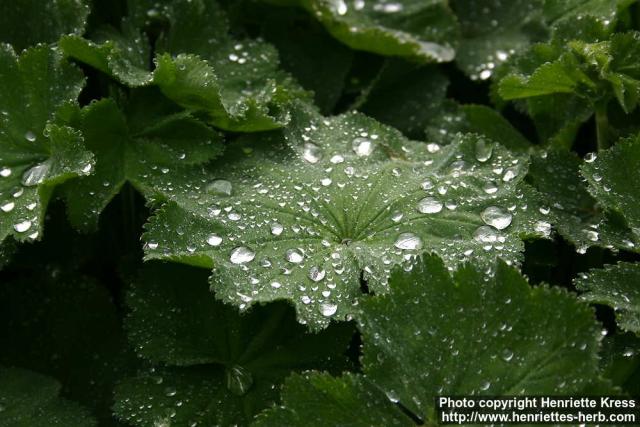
220	368
617	286
199	66
422	30
344	198
493	30
148	145
25	23
463	335
29	399
579	219
35	155
613	180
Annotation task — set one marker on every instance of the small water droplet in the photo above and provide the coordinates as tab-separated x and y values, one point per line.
5	172
276	229
484	150
7	207
30	136
485	234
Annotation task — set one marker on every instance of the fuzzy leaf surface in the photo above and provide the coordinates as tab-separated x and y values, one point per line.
35	154
342	198
508	339
223	366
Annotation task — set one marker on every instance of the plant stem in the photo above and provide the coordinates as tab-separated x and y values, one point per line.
602	128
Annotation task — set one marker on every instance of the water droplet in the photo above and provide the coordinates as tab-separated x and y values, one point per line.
316	273
170	391
241	255
7	207
507	355
220	187
542	227
292	255
22	226
429	205
490	187
590	157
214	240
328	309
311	152
408	241
496	217
35	175
397	216
5	172
276	285
362	146
276	229
485	234
336	159
484	150
30	136
239	380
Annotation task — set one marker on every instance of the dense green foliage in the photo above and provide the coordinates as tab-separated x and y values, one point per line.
314	212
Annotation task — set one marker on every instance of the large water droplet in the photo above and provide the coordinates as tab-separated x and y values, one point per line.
429	205
241	255
276	229
316	273
214	240
496	217
292	255
7	207
238	380
5	172
408	241
484	150
311	152
220	187
22	226
362	146
328	309
485	234
35	175
30	136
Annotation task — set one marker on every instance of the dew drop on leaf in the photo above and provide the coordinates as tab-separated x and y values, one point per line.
276	229
362	146
328	309
241	255
294	256
485	234
496	217
35	175
238	380
311	152
214	240
408	241
429	205
220	187
22	226
7	207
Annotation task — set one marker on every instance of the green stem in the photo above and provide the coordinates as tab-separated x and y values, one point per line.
602	128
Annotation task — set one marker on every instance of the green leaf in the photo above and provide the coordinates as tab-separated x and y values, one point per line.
480	119
25	23
149	145
35	154
29	399
65	326
557	11
426	31
222	367
493	30
612	179
345	197
617	286
317	400
405	96
507	339
237	83
556	174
